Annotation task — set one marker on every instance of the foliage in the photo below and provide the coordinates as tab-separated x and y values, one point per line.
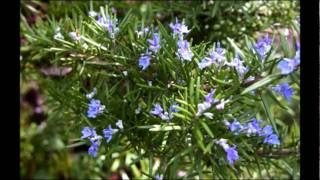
149	146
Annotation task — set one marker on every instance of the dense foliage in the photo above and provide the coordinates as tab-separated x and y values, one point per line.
160	89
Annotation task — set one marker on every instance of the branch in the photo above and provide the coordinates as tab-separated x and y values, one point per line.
277	154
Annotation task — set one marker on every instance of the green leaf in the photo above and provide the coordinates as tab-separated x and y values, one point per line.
206	127
274	99
199	138
269	115
165	128
125	21
236	48
75	144
284	44
197	90
186	104
94	43
185	111
261	83
181	116
191	90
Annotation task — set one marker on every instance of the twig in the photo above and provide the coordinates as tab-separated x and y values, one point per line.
277	154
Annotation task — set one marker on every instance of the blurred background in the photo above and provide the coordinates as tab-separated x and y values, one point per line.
46	140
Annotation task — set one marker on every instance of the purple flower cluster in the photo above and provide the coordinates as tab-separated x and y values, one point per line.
263	46
154	46
285	90
95	106
108	133
110	24
216	56
144	61
235	126
232	153
158	111
90	133
238	65
154	43
286	66
184	51
253	128
209	100
270	138
179	28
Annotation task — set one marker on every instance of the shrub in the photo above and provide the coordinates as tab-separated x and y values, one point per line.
138	88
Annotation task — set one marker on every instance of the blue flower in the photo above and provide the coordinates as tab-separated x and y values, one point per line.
205	62
184	52
95	108
157	110
286	66
272	139
252	127
119	124
202	107
93	149
90	133
74	36
179	28
235	125
209	97
154	43
108	132
266	131
102	22
109	24
285	90
217	55
166	116
232	154
144	61
173	107
221	105
90	95
207	103
87	132
263	46
238	64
